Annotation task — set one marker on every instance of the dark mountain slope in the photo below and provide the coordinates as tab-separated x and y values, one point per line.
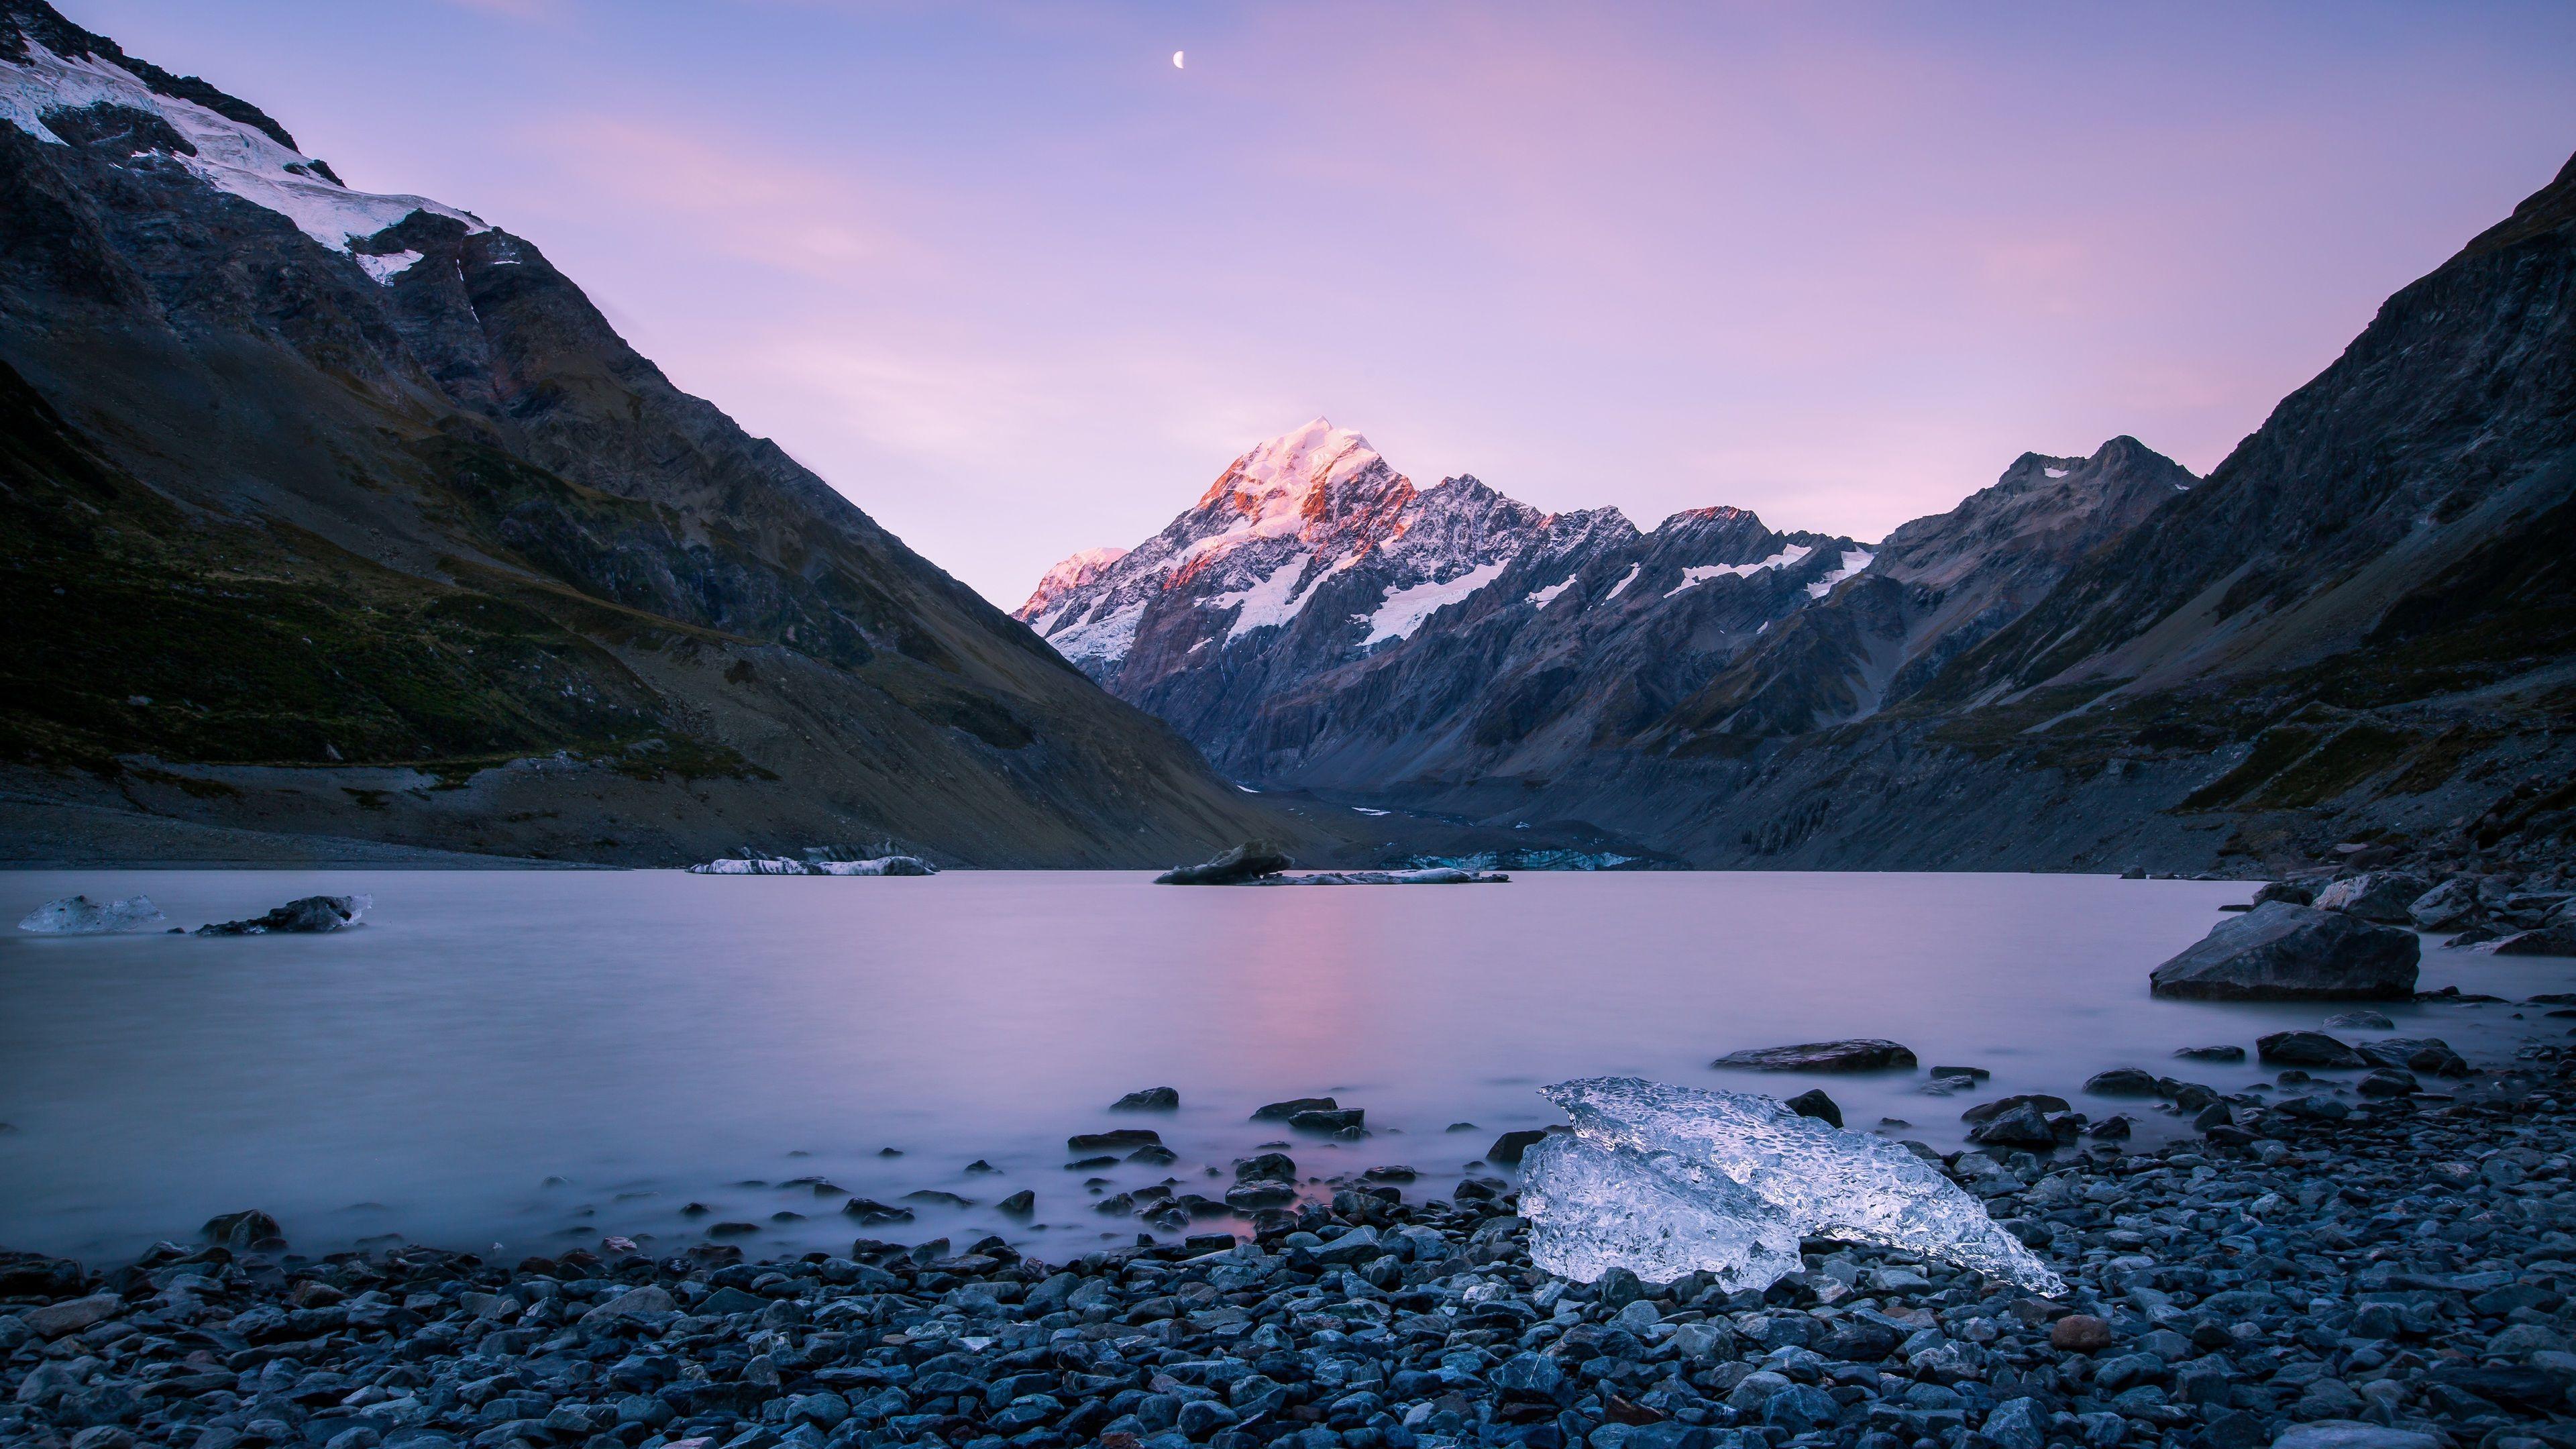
336	513
1936	587
2359	631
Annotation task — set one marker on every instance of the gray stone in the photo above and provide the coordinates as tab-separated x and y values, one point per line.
2307	1049
1858	1055
2380	895
2279	952
1247	862
56	1319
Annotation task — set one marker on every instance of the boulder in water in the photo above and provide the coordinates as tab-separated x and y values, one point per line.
2307	1049
1151	1099
2282	952
1282	1111
1115	1139
81	916
2384	896
248	1229
2286	892
2557	940
2122	1082
1814	1103
1857	1055
309	916
1249	861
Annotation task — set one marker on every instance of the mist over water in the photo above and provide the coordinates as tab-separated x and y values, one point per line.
658	1039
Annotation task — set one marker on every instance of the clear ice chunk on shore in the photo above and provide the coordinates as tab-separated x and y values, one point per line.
81	916
1664	1180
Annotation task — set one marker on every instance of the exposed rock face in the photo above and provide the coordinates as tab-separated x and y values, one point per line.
355	517
1937	587
2282	952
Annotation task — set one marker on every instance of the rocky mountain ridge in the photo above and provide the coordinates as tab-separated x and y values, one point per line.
330	513
1311	563
2353	638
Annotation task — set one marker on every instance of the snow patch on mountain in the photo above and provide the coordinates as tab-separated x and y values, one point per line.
1854	560
1405	609
1106	639
1625	580
388	266
1546	596
1698	574
230	156
1271	603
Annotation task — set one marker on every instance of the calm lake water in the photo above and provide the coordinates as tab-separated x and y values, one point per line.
652	1039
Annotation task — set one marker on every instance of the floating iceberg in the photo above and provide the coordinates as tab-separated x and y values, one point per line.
757	865
1434	875
81	916
1665	1180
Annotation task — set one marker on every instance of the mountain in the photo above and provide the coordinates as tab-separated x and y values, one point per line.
1317	620
344	514
1937	587
2355	639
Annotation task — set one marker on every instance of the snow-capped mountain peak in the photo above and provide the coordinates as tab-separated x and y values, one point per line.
1292	476
1074	571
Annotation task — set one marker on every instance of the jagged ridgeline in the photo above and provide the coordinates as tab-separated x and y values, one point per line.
329	512
2357	631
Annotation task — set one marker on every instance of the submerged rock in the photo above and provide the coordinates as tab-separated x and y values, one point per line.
2557	940
1282	1111
2123	1082
1247	862
2212	1053
2280	952
2307	1049
1857	1055
1116	1139
81	916
310	916
250	1228
1660	1181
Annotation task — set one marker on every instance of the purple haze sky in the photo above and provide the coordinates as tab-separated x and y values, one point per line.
1017	286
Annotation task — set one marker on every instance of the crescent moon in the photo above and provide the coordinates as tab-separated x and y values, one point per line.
1176	61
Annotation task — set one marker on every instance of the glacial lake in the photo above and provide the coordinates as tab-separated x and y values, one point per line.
537	1059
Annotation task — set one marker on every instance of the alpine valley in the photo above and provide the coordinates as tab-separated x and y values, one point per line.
342	515
2356	637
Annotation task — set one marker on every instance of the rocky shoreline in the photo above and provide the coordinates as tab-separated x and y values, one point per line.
2325	1268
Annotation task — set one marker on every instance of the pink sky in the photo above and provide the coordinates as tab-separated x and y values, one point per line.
1018	286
